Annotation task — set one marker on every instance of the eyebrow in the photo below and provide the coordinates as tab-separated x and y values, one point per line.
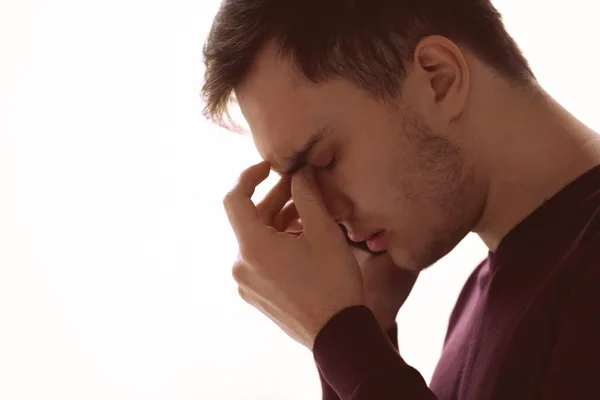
300	158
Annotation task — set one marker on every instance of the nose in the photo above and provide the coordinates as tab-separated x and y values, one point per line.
338	205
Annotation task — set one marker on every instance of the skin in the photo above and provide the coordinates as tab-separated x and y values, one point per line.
429	167
385	286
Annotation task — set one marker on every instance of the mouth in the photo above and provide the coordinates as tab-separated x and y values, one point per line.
378	242
363	244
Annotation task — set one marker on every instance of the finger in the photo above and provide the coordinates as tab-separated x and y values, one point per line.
240	209
295	226
288	216
360	255
274	201
311	207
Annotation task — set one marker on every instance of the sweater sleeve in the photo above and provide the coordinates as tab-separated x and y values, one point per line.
359	362
328	392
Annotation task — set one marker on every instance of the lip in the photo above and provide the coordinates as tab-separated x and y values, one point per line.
378	242
358	237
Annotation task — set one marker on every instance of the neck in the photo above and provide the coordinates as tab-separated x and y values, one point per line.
528	149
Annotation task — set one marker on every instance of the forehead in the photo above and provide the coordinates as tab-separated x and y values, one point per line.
281	110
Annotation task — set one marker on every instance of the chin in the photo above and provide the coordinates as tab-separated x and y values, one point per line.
403	259
420	259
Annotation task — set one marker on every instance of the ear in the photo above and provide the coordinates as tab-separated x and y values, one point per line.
443	66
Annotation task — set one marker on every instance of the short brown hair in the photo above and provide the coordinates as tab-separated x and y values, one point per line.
365	41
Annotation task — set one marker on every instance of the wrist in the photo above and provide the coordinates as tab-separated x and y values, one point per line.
325	319
392	333
385	318
389	326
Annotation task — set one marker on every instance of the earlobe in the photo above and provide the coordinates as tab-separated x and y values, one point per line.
446	72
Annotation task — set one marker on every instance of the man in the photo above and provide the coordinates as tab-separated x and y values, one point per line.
411	123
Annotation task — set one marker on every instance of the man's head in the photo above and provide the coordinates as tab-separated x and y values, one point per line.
373	95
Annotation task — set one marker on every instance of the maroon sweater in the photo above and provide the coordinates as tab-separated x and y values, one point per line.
526	324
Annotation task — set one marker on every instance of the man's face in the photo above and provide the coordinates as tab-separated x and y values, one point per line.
378	167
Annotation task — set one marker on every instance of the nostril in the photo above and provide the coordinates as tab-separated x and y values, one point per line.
343	228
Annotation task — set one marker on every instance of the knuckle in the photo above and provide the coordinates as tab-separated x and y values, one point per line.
247	254
228	198
242	293
238	271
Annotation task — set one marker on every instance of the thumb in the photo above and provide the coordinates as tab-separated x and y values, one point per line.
311	207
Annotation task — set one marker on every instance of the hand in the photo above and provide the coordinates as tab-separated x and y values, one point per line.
385	285
298	280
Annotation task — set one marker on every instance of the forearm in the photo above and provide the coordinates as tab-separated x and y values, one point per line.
328	392
358	361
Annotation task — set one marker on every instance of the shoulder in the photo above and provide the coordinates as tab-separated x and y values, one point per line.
466	294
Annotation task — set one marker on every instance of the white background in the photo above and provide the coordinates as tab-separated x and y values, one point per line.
115	252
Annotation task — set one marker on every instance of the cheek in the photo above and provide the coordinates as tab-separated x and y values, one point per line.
372	189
